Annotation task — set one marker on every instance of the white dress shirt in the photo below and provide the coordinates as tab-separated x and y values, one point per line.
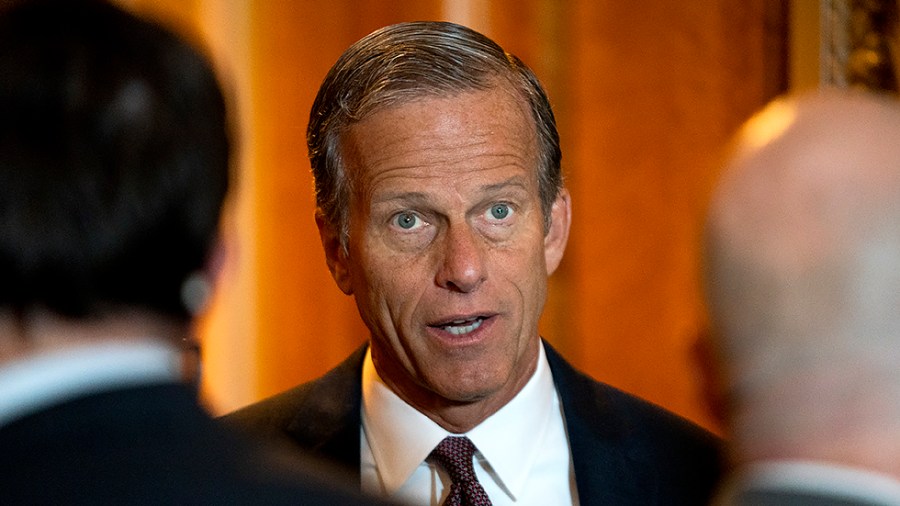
823	478
34	383
523	453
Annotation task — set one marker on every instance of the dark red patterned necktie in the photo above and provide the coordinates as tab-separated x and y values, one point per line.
455	455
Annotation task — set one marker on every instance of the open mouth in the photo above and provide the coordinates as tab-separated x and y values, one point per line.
461	327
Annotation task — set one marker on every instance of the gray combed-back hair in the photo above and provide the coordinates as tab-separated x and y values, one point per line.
404	62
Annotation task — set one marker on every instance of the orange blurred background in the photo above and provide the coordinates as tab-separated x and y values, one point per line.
646	94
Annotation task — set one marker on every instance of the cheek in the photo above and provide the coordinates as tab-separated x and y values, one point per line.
525	262
526	269
392	284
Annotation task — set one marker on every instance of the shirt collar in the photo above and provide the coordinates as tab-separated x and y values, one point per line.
401	437
33	383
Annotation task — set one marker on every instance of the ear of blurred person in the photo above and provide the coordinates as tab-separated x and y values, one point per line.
803	284
114	166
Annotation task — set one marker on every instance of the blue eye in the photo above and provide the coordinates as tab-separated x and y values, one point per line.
500	211
407	221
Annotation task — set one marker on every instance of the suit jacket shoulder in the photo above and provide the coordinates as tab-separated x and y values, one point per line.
628	451
149	445
625	450
321	417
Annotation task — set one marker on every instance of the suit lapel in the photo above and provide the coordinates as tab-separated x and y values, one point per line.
604	471
598	434
328	420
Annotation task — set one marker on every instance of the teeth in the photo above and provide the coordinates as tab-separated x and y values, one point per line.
457	328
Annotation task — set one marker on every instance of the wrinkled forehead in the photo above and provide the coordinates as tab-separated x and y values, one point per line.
435	130
393	92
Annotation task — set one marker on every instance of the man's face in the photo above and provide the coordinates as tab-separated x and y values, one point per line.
447	255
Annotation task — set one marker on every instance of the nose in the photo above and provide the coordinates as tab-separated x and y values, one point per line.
461	268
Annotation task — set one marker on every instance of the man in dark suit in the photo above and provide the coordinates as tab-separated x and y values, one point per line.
114	163
441	209
803	279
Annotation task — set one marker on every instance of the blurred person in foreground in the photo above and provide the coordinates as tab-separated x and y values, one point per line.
442	211
114	163
803	281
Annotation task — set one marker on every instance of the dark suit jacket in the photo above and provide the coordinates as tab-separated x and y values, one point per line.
144	445
625	450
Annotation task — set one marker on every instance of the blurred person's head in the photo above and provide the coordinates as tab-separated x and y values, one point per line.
803	282
114	163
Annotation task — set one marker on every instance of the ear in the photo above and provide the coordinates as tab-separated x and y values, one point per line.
220	253
199	287
558	234
335	256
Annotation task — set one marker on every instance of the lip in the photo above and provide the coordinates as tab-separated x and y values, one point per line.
462	329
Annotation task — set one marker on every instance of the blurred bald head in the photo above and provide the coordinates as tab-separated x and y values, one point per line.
803	280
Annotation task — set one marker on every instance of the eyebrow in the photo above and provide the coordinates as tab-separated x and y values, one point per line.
406	197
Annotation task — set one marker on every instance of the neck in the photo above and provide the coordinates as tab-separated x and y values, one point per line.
880	461
863	436
453	415
38	331
459	418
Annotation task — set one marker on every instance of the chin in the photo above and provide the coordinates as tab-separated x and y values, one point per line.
467	397
469	392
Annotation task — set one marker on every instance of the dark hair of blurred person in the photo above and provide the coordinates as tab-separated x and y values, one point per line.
114	162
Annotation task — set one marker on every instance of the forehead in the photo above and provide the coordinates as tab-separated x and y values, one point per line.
445	136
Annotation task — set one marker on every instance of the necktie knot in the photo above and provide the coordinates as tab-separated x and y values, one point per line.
455	454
